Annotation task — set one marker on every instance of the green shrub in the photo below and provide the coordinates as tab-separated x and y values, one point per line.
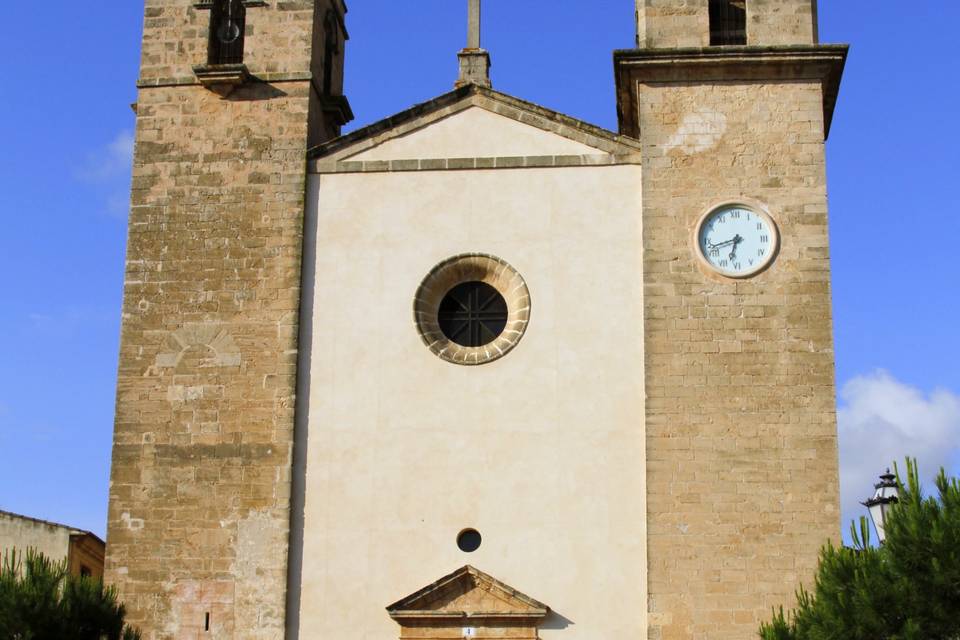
41	600
906	589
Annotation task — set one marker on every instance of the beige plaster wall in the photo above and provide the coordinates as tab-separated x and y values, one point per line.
25	533
542	451
474	133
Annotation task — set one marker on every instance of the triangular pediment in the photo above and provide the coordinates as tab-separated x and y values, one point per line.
470	593
474	122
474	132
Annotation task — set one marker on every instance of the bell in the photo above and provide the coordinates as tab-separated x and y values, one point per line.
229	31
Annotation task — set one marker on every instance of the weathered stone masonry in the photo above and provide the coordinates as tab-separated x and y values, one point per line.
200	486
742	465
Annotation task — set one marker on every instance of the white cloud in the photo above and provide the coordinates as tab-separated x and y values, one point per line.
70	321
112	161
107	172
882	420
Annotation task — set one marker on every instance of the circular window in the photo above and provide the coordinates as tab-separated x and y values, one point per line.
469	540
472	314
472	309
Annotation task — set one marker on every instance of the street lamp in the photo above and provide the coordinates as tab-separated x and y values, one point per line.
887	493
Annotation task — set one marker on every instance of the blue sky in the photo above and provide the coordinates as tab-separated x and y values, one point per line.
893	164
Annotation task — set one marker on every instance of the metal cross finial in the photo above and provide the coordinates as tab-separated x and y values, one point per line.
473	24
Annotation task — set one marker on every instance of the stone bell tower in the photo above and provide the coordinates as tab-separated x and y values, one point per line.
231	95
732	101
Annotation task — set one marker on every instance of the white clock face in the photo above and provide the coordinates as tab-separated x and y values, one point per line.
737	241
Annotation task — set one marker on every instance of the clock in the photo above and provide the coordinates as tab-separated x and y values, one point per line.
737	240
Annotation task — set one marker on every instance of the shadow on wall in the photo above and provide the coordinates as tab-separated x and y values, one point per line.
556	621
256	89
301	426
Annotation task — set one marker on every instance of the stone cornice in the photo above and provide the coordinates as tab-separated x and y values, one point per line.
824	63
319	166
337	106
183	81
210	75
207	4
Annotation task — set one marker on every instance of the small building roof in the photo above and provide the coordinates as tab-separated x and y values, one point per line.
73	530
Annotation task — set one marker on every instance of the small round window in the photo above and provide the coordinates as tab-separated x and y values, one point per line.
472	308
469	540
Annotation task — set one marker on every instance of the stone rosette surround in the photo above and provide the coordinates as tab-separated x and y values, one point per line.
466	268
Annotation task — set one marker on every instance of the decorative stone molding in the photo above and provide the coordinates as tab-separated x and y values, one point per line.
207	4
635	67
474	68
338	107
468	603
466	97
252	76
459	164
213	75
218	345
471	267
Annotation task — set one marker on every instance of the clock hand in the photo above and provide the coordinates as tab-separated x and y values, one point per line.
737	239
720	244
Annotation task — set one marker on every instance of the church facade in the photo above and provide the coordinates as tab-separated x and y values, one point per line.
513	373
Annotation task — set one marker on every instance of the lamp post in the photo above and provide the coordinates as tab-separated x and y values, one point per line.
887	493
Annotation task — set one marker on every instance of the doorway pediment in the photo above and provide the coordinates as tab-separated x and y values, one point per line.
471	603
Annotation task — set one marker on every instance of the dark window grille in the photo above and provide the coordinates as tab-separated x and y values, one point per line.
331	48
473	314
728	22
228	21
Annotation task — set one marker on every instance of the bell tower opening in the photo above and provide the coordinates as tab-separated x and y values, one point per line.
227	30
728	22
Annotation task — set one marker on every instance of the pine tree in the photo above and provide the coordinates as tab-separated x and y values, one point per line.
906	589
41	600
